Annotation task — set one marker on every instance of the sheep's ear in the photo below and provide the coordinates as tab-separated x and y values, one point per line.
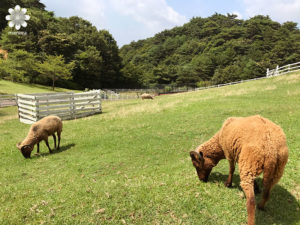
18	145
201	155
195	156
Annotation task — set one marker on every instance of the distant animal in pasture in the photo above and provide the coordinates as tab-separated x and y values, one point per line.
256	144
39	131
146	96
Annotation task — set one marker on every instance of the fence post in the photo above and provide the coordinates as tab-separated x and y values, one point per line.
276	71
37	108
289	67
99	95
72	106
268	72
17	105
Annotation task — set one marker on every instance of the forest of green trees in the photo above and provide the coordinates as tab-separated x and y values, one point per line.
72	53
68	51
213	50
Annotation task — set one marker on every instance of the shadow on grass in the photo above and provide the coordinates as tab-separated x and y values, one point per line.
282	207
61	149
218	177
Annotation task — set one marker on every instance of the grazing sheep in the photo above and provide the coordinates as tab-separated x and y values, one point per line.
146	96
39	131
256	144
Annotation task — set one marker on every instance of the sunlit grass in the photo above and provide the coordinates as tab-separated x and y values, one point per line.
7	87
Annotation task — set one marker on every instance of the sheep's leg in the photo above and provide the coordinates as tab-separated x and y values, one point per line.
47	143
58	135
248	189
272	174
269	181
256	188
265	197
228	183
54	138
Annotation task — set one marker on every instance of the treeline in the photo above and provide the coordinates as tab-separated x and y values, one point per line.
213	50
72	53
68	52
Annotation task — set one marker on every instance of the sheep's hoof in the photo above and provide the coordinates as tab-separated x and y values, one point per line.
260	207
227	184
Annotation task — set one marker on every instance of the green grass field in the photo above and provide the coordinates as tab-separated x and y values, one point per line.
7	87
131	164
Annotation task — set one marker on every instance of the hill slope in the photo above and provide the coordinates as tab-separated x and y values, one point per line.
131	163
217	49
8	87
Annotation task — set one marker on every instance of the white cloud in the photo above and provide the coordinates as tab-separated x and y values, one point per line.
154	14
126	20
92	10
279	10
239	15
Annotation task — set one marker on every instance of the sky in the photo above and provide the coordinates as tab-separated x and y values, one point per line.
132	20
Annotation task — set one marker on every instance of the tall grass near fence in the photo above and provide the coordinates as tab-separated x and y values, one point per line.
131	165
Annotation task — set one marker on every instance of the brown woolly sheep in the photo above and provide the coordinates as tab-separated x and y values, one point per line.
39	131
146	96
256	144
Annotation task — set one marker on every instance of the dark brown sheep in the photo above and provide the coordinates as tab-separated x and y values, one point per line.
39	131
256	144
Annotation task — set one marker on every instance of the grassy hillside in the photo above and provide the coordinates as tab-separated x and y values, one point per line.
8	87
131	165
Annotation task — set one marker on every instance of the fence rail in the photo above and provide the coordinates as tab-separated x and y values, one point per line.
67	105
270	73
7	100
226	84
123	94
283	69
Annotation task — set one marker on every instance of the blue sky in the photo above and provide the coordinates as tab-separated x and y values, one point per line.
131	20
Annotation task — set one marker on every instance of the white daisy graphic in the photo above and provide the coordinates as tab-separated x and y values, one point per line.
17	17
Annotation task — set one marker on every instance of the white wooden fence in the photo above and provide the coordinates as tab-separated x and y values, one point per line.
283	69
270	73
67	105
7	100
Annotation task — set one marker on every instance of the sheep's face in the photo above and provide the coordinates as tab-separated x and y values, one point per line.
203	167
25	150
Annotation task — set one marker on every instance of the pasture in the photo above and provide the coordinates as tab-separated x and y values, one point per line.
131	164
7	87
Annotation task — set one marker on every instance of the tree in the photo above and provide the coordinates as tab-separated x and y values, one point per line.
56	44
187	76
89	68
54	68
131	76
20	66
94	52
